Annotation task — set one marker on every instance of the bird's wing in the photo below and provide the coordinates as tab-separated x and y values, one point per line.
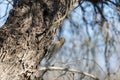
52	47
51	51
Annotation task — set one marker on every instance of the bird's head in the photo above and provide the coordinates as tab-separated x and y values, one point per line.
62	40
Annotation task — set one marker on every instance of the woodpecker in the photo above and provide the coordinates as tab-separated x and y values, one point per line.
54	48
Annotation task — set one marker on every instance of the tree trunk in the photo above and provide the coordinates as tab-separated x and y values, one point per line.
24	38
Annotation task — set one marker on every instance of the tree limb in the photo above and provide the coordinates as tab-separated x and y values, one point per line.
70	70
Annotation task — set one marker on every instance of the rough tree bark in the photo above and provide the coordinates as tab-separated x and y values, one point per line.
24	39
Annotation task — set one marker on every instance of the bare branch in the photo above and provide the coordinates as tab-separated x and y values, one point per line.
70	70
10	2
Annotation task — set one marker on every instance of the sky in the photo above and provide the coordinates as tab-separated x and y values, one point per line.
5	7
110	14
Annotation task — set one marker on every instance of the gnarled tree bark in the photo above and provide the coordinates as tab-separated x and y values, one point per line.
24	39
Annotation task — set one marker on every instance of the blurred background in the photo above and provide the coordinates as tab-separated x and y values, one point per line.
92	41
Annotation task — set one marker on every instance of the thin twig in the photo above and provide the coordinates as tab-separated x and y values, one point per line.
10	2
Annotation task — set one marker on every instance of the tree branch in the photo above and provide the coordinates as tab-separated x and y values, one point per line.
70	70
